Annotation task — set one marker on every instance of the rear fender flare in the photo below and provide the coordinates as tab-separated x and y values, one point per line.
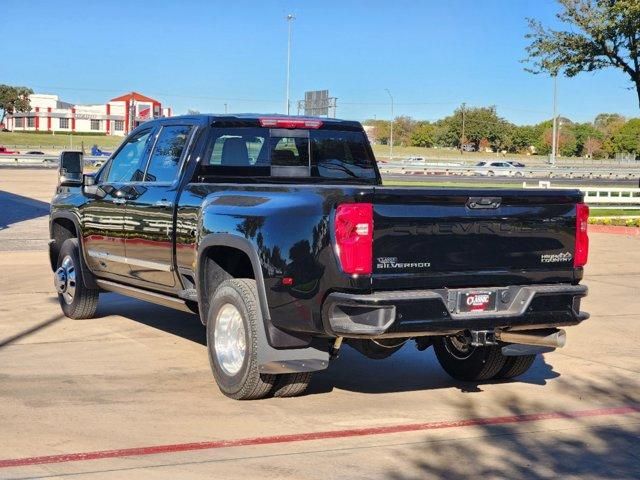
270	360
245	246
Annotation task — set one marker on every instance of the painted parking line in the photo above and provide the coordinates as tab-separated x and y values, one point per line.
309	436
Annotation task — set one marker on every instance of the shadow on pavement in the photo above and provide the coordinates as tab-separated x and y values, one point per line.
580	449
407	370
16	208
175	322
31	330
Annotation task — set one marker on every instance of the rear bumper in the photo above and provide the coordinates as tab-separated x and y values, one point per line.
422	312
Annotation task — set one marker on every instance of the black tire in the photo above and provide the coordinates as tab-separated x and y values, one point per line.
474	365
515	366
246	383
83	302
291	384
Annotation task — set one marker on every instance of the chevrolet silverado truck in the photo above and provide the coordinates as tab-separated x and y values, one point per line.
278	232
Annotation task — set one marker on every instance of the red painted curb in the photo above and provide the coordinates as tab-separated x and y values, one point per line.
302	437
614	229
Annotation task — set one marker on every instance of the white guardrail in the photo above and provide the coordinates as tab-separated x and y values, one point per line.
601	197
629	172
46	160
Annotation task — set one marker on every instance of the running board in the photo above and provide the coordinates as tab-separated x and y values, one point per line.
152	297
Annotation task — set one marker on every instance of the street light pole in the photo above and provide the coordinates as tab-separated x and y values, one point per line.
391	129
554	145
290	18
462	138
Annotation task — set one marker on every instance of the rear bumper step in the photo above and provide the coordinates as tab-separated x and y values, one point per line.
423	312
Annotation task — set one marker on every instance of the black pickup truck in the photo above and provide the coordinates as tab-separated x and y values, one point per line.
278	232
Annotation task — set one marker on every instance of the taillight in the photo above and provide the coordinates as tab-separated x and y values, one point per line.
288	122
582	239
354	237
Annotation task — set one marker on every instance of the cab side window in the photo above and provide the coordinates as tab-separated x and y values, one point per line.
165	159
128	164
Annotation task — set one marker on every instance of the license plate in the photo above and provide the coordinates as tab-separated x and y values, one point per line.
477	301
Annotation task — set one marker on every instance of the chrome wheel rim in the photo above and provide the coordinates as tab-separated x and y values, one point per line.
64	279
459	346
229	339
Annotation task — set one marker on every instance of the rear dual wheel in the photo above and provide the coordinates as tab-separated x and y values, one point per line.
232	343
468	363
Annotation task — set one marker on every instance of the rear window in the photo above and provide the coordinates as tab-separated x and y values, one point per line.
252	151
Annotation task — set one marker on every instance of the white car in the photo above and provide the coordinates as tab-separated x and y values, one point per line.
497	169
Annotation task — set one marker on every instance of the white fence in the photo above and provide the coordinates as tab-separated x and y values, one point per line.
586	172
597	197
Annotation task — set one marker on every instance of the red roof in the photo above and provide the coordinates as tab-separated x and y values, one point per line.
134	96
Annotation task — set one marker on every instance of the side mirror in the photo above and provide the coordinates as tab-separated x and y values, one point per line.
90	189
70	173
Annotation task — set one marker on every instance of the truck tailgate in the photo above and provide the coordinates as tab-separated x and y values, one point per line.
428	238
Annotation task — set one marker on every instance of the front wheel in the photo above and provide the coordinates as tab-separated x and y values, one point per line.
76	300
232	341
465	362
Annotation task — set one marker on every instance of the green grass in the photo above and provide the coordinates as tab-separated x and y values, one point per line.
613	212
451	155
453	184
382	151
57	141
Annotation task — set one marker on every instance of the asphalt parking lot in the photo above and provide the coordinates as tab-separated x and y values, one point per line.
130	394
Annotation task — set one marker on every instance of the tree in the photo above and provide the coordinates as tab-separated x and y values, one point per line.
423	135
402	128
523	137
608	122
627	139
13	99
600	34
479	123
381	130
587	137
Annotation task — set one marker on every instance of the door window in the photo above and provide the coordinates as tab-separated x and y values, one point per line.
165	159
128	164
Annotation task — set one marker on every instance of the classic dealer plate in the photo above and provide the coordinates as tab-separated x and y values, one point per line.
476	301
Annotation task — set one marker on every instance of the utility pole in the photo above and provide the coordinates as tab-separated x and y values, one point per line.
391	129
290	18
558	140
462	137
554	145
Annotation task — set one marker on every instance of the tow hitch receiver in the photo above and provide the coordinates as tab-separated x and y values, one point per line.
483	338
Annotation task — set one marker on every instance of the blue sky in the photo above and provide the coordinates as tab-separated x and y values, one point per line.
432	55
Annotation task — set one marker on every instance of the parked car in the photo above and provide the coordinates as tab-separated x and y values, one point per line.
497	169
6	151
468	147
414	160
278	232
516	164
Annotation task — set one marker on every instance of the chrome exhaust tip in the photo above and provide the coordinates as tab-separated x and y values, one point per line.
549	337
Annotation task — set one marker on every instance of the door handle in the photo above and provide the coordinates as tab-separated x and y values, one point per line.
163	204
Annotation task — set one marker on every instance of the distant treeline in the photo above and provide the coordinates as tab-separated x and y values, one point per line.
609	134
